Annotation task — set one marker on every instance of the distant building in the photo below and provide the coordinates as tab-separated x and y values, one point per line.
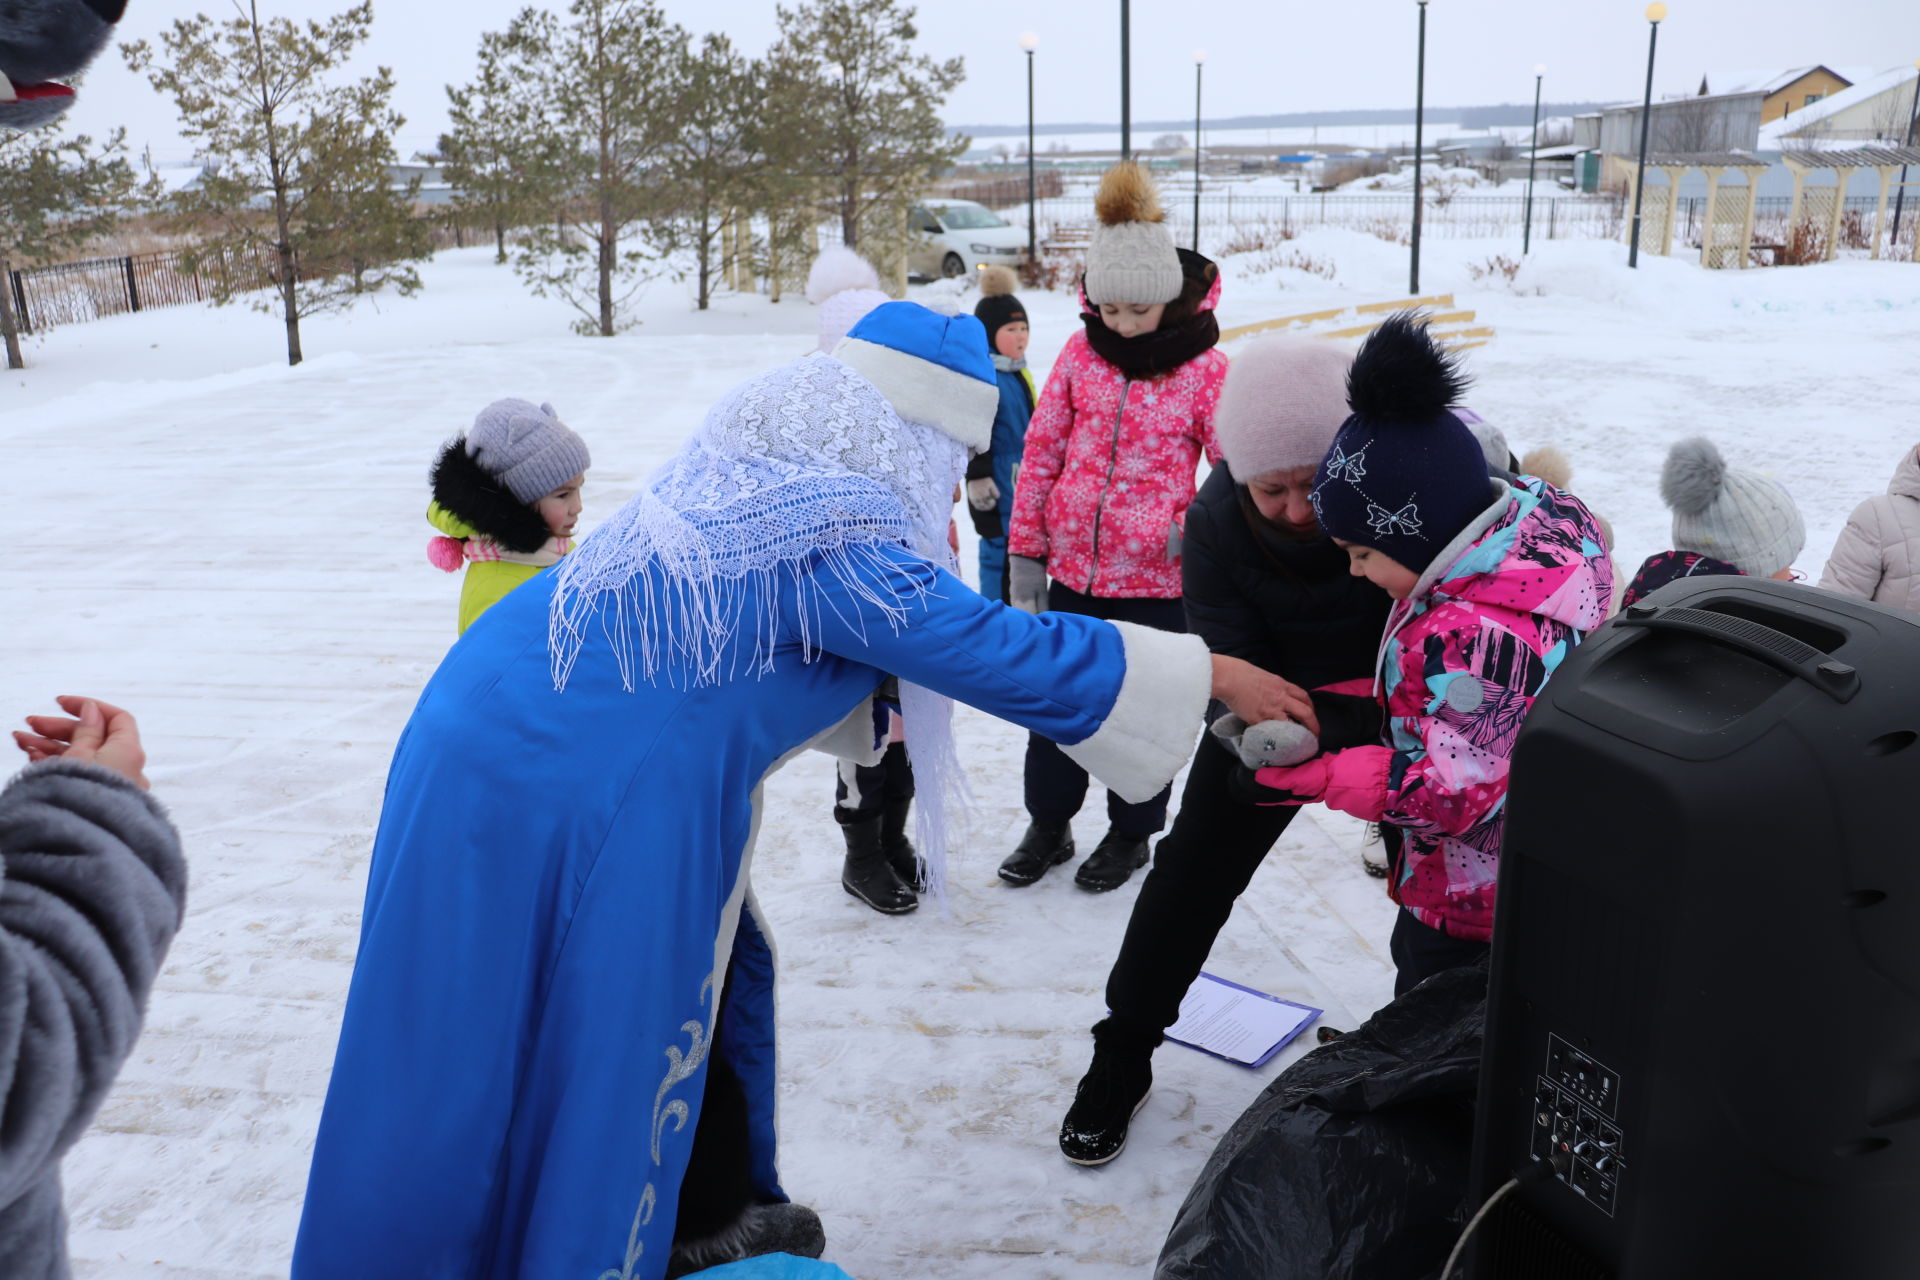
1878	109
1696	125
1786	91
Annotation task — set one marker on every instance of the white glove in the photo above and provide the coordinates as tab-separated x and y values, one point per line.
1027	583
983	494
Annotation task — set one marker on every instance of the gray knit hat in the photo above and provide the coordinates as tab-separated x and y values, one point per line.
1740	517
1284	399
1131	258
527	448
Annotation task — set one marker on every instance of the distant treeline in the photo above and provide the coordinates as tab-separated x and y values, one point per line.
1516	113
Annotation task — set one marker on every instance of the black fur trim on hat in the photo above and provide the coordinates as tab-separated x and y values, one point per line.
1402	374
463	487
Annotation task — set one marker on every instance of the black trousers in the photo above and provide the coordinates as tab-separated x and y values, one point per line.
1056	787
1420	951
863	792
718	1186
1199	869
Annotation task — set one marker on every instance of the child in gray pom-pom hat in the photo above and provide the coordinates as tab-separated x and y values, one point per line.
505	497
1726	521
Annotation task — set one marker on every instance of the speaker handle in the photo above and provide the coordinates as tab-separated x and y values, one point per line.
1838	680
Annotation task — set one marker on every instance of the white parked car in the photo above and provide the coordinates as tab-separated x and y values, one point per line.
958	236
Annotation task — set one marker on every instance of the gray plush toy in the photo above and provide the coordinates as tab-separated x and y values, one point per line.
1267	744
41	43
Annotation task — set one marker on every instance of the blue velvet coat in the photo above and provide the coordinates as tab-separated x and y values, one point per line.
558	883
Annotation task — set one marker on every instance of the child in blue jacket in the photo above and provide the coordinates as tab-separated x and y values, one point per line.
990	475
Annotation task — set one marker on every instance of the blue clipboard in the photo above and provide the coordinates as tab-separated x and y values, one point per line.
1267	1055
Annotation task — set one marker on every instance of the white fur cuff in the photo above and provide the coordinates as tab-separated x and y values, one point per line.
922	391
1149	734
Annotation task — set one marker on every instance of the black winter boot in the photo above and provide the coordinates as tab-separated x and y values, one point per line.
1112	863
1110	1095
867	874
1045	846
762	1229
901	855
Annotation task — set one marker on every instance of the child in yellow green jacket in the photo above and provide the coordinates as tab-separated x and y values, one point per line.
505	497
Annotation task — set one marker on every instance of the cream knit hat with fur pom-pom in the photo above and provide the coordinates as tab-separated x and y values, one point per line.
1131	258
845	287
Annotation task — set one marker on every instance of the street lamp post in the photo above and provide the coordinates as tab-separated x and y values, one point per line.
1419	140
1199	66
1030	42
1900	198
1533	157
1126	83
1656	14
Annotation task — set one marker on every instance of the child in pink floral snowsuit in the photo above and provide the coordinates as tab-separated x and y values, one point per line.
1104	487
1496	582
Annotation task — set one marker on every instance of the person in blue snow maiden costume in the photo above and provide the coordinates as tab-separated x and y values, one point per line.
557	1056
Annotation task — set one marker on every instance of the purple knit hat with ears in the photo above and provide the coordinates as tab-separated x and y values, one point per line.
527	448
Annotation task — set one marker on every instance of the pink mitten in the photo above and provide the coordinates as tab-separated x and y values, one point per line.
1353	781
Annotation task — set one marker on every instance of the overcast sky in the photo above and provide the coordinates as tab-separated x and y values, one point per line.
1262	55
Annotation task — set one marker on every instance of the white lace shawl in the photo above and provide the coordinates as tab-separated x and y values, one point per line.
806	461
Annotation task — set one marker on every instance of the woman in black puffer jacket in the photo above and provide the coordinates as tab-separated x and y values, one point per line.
1262	583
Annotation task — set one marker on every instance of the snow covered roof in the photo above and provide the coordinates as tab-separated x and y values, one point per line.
1775	134
1751	81
1855	157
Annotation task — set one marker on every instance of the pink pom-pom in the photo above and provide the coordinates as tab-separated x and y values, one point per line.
446	554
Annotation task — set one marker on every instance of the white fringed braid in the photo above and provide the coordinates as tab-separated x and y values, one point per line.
805	463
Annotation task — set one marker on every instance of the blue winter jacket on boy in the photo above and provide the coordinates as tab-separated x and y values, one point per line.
1002	463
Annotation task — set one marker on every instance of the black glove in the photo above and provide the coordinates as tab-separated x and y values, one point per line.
1347	720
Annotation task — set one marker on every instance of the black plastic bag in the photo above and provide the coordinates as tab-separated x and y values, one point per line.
1353	1162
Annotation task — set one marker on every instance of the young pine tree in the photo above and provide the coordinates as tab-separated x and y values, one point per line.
714	165
296	195
873	114
491	156
604	92
56	193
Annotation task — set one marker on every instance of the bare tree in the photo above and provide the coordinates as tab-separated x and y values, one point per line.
1170	142
1893	116
1689	126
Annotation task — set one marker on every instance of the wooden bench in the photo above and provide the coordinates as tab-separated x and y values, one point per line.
1455	330
1068	238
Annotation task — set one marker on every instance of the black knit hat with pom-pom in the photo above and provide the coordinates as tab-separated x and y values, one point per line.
1404	475
998	306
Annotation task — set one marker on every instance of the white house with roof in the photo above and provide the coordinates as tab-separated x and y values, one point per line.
1879	108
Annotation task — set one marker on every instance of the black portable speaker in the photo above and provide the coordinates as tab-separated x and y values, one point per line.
1703	1034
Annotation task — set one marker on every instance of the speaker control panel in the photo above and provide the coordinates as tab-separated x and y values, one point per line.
1576	1106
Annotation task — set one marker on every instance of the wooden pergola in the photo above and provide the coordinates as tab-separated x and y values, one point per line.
1726	237
1826	206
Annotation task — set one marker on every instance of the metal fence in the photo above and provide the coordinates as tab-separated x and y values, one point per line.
74	292
92	289
1770	214
1555	217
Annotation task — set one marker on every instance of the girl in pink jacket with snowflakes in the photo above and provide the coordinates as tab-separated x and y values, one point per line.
1104	487
1495	580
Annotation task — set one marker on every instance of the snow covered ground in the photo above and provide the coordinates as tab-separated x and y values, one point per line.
234	550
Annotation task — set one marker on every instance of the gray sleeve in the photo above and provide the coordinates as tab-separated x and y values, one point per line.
93	889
